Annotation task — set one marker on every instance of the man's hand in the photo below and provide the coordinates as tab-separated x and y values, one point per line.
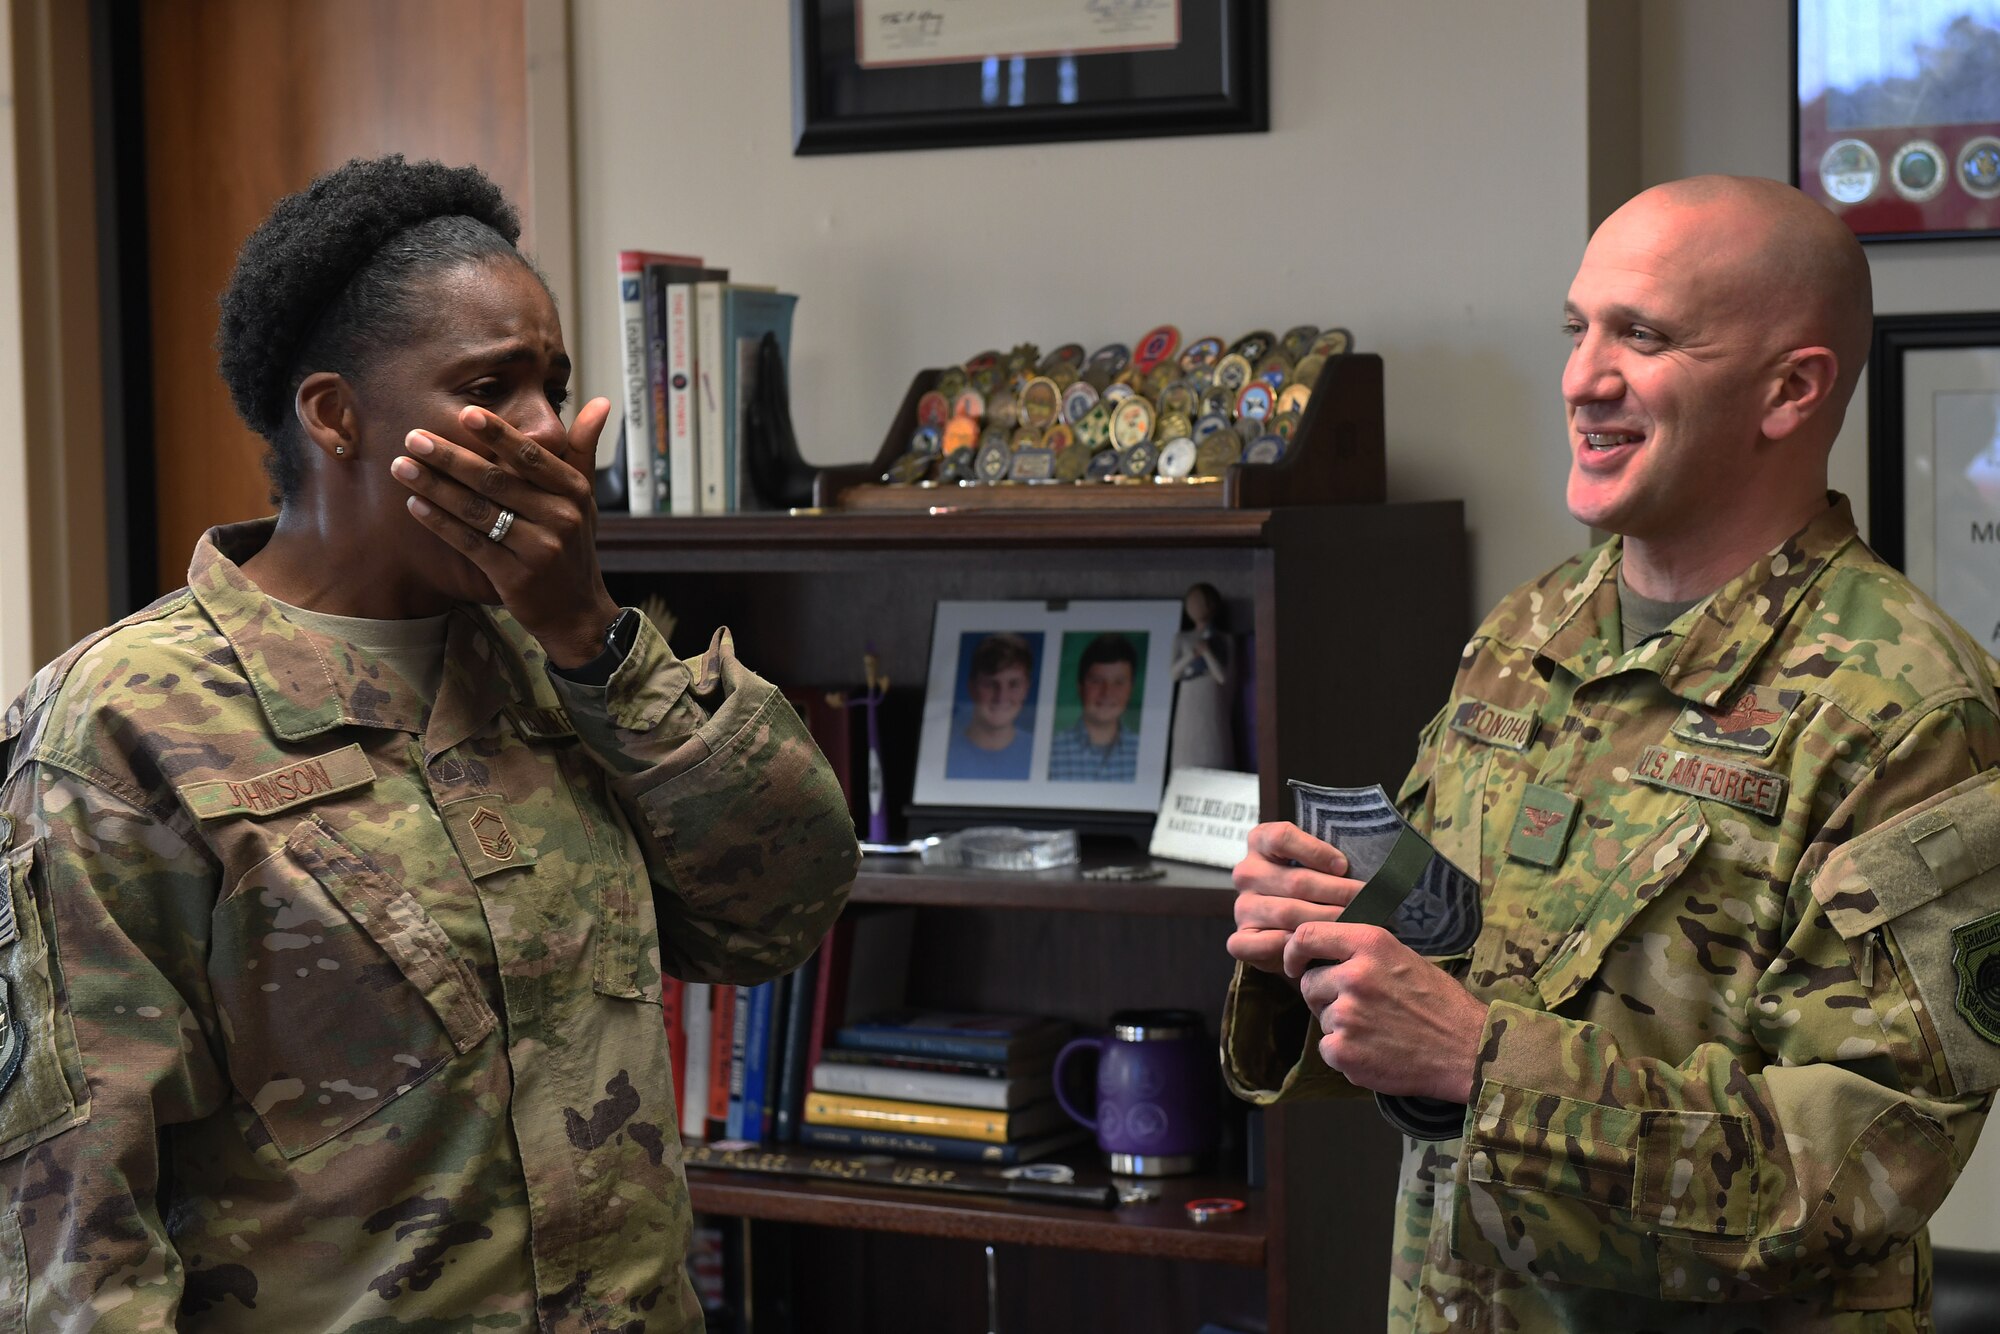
545	566
1287	879
1393	1021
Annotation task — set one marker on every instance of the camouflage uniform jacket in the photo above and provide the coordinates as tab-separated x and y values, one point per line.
1727	1072
328	1011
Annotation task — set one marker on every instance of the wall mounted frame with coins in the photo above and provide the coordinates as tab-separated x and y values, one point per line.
873	75
1896	115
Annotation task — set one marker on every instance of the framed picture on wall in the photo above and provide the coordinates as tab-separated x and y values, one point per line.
869	75
1058	706
1896	114
1934	460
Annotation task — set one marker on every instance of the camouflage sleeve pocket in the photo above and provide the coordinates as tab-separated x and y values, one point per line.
762	813
36	1099
1930	881
338	992
1697	1172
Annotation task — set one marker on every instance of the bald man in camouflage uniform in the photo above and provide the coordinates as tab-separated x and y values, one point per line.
1731	1027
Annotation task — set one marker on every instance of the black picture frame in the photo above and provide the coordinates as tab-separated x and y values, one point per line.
1895	337
1890	211
1214	82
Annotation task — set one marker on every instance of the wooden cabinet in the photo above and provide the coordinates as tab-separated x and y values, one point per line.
1354	616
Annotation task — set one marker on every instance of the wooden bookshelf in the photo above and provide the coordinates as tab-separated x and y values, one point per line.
1352	618
1159	1228
1184	890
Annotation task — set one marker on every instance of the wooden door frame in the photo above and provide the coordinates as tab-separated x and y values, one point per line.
130	539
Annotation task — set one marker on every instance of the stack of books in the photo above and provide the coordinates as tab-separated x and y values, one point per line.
967	1087
741	1054
689	340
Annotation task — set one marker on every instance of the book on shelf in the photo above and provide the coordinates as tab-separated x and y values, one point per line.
673	996
749	1077
865	964
857	1140
987	1037
738	1045
661	276
691	1089
748	313
925	1118
877	1081
801	990
1018	1067
718	306
634	342
722	1046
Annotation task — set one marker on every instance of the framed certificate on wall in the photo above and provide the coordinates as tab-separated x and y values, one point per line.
1896	114
1934	460
870	75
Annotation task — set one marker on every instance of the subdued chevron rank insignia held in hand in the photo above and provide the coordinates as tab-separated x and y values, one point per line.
1975	956
1429	904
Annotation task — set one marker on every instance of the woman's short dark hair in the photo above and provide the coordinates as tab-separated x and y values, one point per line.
327	282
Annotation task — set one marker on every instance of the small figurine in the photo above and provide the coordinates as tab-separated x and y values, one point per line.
1200	667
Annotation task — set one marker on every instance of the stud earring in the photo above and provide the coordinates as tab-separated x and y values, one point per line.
340	449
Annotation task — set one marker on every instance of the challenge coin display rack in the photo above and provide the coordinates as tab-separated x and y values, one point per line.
1263	422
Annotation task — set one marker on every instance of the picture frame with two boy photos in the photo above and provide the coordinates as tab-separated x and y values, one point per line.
1048	705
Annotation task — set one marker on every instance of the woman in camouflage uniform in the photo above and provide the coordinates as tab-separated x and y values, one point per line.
338	885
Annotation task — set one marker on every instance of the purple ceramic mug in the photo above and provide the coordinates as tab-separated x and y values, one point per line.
1156	1095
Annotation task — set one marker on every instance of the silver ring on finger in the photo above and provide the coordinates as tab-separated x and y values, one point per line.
498	532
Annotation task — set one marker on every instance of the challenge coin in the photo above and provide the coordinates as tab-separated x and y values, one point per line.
1849	171
1256	401
1201	354
1041	403
1132	422
1176	458
994	461
1233	372
1253	347
1979	166
1918	171
1156	346
960	433
1264	449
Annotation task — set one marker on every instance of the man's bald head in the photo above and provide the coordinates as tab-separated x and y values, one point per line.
1769	251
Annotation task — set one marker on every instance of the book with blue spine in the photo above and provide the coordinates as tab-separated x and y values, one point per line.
977	1037
759	1086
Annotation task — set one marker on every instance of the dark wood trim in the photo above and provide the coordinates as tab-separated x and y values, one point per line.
1242	108
118	103
1187	890
1159	1229
1894	336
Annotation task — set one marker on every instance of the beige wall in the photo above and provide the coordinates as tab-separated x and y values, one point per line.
52	557
16	637
1444	239
1714	99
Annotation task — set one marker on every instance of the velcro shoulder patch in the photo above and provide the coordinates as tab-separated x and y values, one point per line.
1930	879
1740	785
1495	726
282	788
